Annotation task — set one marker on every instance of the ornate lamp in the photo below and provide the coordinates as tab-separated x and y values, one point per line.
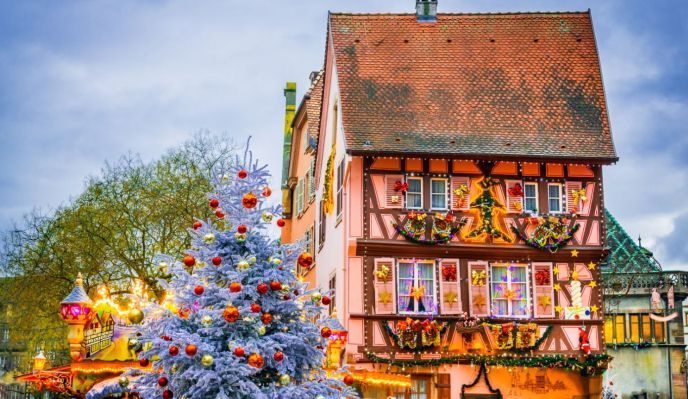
39	362
76	309
336	344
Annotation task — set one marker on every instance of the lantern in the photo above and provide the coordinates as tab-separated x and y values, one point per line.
76	310
39	362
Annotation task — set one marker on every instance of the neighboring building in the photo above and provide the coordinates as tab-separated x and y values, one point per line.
13	353
644	331
458	181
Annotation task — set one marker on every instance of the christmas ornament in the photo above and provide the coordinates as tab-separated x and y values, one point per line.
275	285
198	290
216	261
266	217
214	203
235	287
162	381
285	379
261	330
144	362
174	368
197	225
242	173
276	261
255	308
167	394
584	341
206	320
174	351
184	313
207	360
316	297
305	260
239	351
163	267
281	222
209	238
385	297
240	237
191	350
189	260
241	229
278	356
326	300
123	382
267	191
165	338
225	178
231	314
348	379
325	332
135	316
266	318
262	288
252	260
242	265
256	360
219	214
249	201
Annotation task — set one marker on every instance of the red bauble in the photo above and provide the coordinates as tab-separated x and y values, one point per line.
326	300
191	350
249	201
174	351
255	308
162	381
198	290
275	285
262	288
326	332
165	338
217	261
256	360
235	287
219	214
281	222
231	314
197	225
189	260
144	362
242	174
279	356
296	292
167	394
267	191
241	229
239	351
214	203
305	260
286	297
348	379
266	318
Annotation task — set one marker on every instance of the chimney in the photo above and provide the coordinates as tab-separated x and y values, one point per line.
426	10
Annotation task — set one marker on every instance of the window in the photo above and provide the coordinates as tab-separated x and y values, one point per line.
555	197
608	328
620	328
646	330
299	196
634	324
420	389
416	287
438	193
321	225
340	189
304	137
530	195
4	334
311	181
414	194
658	329
509	285
333	290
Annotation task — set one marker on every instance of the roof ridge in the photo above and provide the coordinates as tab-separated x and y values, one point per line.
504	13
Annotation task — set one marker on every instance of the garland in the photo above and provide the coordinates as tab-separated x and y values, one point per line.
591	364
442	232
546	237
409	338
328	195
514	336
483	371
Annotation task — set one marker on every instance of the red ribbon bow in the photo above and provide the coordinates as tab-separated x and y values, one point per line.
516	190
399	186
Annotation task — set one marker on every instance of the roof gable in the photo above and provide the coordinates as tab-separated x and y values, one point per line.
625	256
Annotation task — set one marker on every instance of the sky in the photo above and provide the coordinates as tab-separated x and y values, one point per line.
84	82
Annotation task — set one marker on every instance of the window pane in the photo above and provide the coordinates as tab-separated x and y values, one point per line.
646	330
620	328
413	200
554	191
405	277
439	201
659	331
426	280
554	198
414	186
634	322
608	329
554	205
531	204
530	190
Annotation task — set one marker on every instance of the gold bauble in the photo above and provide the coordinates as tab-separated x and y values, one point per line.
207	360
135	316
252	260
208	238
285	379
243	265
207	320
261	330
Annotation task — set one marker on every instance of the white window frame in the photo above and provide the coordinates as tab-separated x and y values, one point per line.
446	183
525	197
408	179
509	305
430	309
299	196
562	202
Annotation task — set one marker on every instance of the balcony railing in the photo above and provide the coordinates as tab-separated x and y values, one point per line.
633	283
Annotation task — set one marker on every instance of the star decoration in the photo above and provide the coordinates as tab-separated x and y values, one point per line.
594	308
418	292
555	270
544	301
574	275
557	308
593	284
510	294
479	301
385	297
557	287
574	253
591	265
451	297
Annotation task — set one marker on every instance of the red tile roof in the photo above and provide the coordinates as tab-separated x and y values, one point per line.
313	99
502	85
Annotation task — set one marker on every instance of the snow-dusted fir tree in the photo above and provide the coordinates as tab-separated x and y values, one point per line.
236	322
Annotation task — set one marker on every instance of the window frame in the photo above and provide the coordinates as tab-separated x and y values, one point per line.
561	198
311	181
433	308
528	294
339	205
321	225
406	200
432	194
526	197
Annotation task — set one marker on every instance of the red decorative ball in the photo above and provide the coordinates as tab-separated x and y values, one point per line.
256	360
249	201
286	297
174	351
191	350
281	222
167	394
165	338
296	292
267	191
219	214
279	356
235	287
305	260
326	332
144	362
241	229
231	314
348	379
326	300
242	174
189	260
214	203
197	225
198	290
162	381
239	351
217	261
266	318
255	308
275	285
262	288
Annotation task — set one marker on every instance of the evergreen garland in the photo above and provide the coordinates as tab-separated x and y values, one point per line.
546	245
483	371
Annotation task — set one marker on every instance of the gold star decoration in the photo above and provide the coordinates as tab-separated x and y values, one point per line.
385	297
574	253
574	275
479	301
544	301
594	308
557	287
555	270
557	308
593	284
418	292
591	265
451	297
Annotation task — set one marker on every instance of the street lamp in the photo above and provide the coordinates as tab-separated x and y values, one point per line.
39	362
76	309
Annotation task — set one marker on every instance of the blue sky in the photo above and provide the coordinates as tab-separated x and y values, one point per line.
83	82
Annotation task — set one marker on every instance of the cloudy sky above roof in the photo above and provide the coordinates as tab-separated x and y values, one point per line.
87	82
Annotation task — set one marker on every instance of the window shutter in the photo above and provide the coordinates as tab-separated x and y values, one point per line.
543	288
572	186
514	203
385	293
393	199
450	288
299	196
311	180
478	282
463	202
443	386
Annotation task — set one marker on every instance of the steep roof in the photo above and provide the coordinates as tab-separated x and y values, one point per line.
494	85
625	256
313	105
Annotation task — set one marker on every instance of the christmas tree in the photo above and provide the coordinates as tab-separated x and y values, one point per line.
236	322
